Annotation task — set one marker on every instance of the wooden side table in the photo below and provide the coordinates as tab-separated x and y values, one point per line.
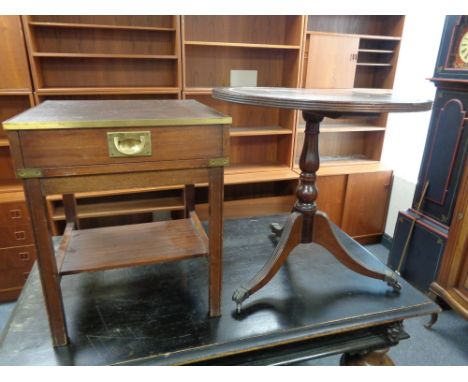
306	224
64	147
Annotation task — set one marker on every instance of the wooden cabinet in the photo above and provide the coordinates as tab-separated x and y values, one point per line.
366	203
17	250
356	202
17	253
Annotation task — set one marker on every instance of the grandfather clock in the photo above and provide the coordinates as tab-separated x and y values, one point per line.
430	244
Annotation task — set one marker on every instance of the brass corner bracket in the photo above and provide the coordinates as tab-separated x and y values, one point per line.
218	162
25	173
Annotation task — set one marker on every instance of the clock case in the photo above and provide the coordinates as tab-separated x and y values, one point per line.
449	39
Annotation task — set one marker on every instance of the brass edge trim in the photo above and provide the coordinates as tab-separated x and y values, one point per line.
118	123
218	162
25	173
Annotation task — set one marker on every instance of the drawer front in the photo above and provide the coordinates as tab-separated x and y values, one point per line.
444	156
13	213
17	258
15	235
78	147
13	278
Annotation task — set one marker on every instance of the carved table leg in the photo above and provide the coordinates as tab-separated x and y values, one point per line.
289	240
367	358
325	235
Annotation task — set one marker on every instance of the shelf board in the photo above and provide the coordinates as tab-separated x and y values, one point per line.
376	51
107	90
105	55
240	174
99	249
350	129
11	192
198	91
380	64
121	208
343	128
362	36
14	92
4	142
98	26
241	45
256	131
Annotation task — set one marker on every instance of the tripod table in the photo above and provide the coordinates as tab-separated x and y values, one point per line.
306	224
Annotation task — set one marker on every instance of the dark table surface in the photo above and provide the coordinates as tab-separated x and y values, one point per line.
158	314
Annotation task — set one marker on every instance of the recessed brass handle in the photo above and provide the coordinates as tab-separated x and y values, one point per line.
134	143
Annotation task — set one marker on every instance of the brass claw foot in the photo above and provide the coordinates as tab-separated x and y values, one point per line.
276	229
239	296
392	281
433	320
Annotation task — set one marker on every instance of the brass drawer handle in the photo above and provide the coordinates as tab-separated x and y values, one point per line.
134	143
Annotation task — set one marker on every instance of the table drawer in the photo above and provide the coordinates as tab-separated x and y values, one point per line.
17	257
13	213
61	148
15	235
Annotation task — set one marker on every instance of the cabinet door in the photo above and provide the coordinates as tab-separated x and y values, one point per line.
331	192
331	61
14	73
366	203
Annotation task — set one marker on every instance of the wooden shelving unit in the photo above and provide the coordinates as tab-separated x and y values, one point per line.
174	57
261	138
104	57
261	142
351	52
17	252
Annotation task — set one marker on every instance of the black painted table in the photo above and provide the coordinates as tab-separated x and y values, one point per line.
305	223
155	315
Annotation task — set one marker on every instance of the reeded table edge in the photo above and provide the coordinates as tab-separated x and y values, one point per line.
235	95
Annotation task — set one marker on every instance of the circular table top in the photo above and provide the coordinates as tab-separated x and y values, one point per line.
324	100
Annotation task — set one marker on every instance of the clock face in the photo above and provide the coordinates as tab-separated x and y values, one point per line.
458	58
463	49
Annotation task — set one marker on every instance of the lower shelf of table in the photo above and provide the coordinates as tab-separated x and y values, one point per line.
100	249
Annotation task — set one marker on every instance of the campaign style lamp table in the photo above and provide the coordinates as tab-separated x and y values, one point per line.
65	147
306	224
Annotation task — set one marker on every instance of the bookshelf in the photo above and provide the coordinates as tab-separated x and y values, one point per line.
175	57
95	57
213	46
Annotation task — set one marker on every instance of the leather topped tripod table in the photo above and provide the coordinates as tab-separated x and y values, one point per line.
306	224
66	147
